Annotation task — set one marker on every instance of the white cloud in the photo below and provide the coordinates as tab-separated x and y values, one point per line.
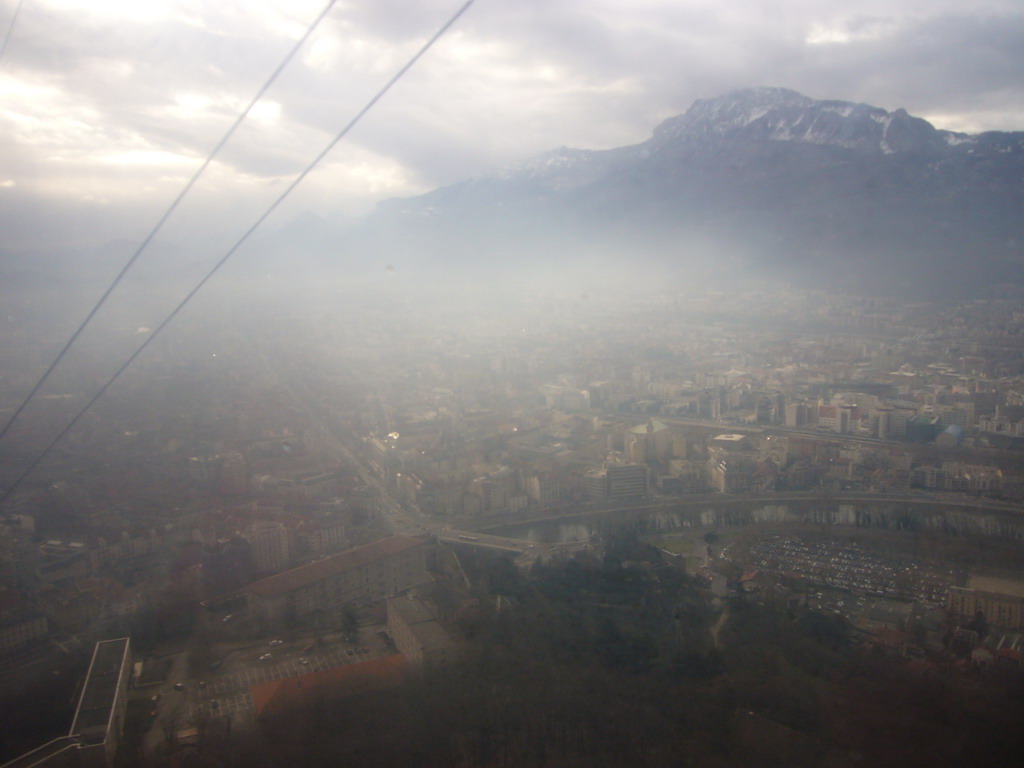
850	30
117	100
96	12
140	157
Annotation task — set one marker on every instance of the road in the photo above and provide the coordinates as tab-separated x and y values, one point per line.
337	439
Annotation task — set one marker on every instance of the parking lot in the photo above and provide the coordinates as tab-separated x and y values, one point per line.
847	566
227	693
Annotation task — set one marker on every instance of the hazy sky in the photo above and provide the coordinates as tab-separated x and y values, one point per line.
108	106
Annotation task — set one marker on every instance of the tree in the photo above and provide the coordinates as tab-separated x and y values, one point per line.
979	624
350	623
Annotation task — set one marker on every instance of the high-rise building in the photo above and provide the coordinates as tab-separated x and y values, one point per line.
595	485
731	464
650	442
626	481
547	489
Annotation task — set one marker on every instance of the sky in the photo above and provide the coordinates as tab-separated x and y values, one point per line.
108	106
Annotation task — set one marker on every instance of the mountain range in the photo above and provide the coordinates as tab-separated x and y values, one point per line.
757	184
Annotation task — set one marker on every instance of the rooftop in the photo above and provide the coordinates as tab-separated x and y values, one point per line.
653	425
420	620
996	586
97	702
297	578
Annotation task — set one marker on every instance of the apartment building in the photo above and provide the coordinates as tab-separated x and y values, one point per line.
362	575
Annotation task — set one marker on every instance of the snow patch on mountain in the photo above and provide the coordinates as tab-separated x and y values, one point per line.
844	110
747	118
955	139
883	144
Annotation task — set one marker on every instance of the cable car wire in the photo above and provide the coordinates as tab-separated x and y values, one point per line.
224	259
166	215
10	28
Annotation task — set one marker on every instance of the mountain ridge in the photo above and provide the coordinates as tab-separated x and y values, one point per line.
769	181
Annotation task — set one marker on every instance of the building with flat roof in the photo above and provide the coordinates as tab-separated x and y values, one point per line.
99	717
626	481
362	575
417	633
731	442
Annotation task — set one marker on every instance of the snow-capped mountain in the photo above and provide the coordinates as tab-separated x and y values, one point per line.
779	114
765	179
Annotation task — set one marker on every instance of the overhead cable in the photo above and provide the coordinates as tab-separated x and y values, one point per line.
167	214
248	233
10	28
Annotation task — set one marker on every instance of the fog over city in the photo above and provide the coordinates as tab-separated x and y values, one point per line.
629	384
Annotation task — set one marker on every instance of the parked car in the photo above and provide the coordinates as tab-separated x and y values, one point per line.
266	656
276	642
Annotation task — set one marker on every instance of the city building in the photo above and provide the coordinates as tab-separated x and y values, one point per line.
269	544
326	532
626	481
731	464
497	491
650	442
99	717
20	625
416	632
547	489
1000	601
321	588
595	485
684	477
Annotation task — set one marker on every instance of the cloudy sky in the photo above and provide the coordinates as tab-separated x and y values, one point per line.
108	106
